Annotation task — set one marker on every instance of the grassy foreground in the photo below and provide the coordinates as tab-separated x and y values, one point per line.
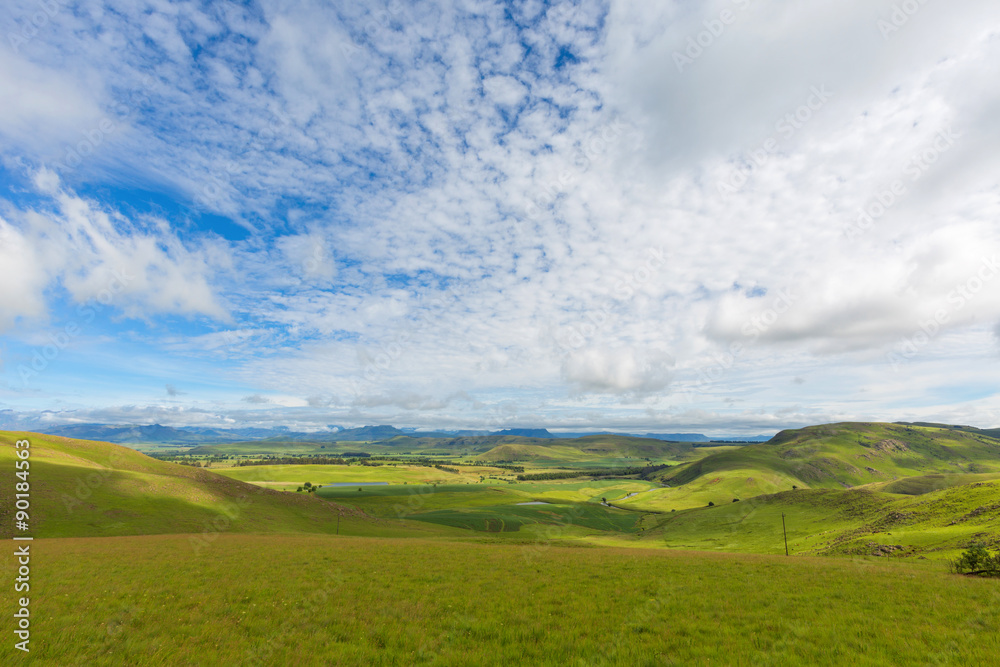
323	600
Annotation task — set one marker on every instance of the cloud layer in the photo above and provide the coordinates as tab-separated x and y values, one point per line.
735	215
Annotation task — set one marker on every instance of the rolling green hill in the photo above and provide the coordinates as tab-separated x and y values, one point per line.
592	448
84	488
833	456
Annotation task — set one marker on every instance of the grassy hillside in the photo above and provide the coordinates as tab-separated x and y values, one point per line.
84	488
607	449
835	456
917	486
323	600
829	521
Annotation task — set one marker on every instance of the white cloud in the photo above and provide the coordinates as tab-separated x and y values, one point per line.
43	108
624	370
25	277
97	255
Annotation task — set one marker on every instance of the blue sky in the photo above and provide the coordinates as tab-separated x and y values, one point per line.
732	216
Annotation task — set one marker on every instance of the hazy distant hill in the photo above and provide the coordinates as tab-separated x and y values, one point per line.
193	435
527	432
132	433
679	437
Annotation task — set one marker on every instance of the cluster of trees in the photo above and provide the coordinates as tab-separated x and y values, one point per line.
540	476
507	466
308	488
184	460
977	560
295	460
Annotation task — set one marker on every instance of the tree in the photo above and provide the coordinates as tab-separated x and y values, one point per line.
711	504
977	560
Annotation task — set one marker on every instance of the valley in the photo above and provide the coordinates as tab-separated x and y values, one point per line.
614	549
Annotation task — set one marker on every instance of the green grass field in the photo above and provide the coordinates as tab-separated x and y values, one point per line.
512	518
172	564
323	600
296	475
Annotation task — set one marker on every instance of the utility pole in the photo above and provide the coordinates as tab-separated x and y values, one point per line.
785	532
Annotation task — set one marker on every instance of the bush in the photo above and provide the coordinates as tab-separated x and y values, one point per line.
977	560
711	504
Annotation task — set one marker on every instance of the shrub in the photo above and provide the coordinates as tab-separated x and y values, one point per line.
977	560
711	504
736	500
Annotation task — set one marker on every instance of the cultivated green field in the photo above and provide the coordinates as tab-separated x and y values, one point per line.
296	475
324	600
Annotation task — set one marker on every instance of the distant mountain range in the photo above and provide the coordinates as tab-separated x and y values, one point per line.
191	435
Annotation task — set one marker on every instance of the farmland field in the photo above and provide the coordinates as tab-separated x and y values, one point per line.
329	474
